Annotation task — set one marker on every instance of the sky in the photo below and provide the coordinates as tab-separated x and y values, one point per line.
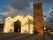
22	7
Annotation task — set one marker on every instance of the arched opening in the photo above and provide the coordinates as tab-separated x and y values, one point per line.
17	26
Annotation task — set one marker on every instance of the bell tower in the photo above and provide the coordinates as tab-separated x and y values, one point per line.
38	18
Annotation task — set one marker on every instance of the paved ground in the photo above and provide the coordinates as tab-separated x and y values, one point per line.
15	36
47	36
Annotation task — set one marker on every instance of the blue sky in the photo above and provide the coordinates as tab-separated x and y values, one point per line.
2	3
46	7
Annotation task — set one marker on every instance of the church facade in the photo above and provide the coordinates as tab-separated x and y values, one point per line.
19	24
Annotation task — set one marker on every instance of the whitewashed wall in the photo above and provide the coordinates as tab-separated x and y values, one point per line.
9	24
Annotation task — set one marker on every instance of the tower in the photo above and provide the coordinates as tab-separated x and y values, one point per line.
38	18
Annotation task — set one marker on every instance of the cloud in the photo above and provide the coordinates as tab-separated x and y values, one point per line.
10	11
21	4
20	7
51	12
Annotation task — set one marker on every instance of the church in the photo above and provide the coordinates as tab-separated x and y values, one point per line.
27	24
19	24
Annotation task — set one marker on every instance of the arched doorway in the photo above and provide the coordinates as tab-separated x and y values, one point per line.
17	26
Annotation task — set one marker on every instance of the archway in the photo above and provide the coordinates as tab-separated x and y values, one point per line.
17	26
